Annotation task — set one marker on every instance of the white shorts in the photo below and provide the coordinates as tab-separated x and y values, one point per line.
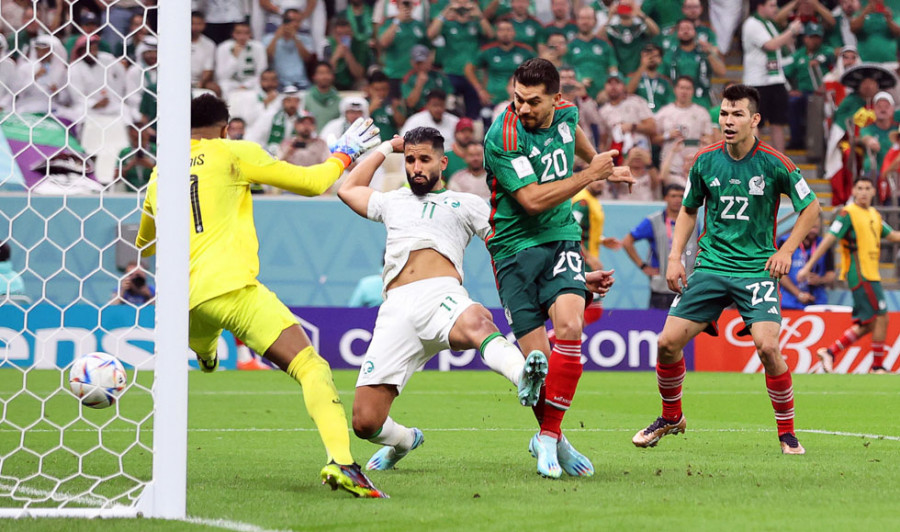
413	325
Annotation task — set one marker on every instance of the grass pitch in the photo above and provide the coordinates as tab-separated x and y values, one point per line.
254	458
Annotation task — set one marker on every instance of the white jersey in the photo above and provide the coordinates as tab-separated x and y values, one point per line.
443	221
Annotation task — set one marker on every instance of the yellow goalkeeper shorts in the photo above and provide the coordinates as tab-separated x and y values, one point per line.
253	314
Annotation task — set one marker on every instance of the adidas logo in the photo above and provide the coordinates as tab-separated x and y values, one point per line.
534	152
773	310
715	182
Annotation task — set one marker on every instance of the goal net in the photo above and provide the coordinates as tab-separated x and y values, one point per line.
78	130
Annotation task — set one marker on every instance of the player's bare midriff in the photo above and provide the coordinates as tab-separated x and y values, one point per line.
424	264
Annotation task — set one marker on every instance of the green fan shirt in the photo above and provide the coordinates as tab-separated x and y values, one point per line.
591	60
396	56
500	64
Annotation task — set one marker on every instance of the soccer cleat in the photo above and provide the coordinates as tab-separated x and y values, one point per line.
790	445
827	358
208	366
878	370
350	478
533	374
572	462
386	457
650	436
544	449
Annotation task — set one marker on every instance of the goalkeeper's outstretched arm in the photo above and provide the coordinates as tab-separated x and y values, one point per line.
355	191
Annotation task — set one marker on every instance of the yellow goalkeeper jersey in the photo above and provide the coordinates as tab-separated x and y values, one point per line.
223	244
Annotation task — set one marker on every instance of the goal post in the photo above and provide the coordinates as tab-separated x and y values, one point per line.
59	458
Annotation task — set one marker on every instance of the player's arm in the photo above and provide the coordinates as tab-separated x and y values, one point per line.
355	190
684	227
146	237
583	147
779	264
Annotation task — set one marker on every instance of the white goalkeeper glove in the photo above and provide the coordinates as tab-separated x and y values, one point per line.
360	137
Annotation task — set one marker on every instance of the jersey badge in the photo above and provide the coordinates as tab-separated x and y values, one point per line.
565	133
522	167
757	185
802	188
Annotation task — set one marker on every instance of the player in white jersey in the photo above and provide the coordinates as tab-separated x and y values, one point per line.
425	309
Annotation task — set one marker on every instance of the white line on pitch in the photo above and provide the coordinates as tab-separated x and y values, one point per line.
237	526
501	392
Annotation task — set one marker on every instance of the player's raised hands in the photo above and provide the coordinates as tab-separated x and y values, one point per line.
360	137
779	264
676	277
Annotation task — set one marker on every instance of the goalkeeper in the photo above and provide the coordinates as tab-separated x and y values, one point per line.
224	264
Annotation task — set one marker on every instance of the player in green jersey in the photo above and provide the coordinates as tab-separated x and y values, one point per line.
740	181
535	242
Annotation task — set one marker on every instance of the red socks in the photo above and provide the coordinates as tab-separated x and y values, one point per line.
669	378
562	380
843	342
781	392
878	354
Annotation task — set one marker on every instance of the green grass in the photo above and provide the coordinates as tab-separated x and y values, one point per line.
254	457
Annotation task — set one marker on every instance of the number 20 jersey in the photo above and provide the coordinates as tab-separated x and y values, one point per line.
742	199
515	157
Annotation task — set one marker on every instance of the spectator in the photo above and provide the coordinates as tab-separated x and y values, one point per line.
359	16
868	79
724	17
19	41
433	115
492	69
237	127
304	148
274	12
8	69
351	108
647	181
137	31
392	8
221	16
389	114
811	291
695	59
422	79
685	121
203	55
472	178
240	61
672	174
840	34
592	58
876	136
135	289
690	10
322	100
648	83
11	283
764	65
804	73
140	83
396	38
626	118
657	229
41	79
136	161
664	12
876	33
805	11
117	19
462	26
562	23
89	24
574	91
278	123
628	31
251	106
890	171
349	63
288	51
464	134
529	30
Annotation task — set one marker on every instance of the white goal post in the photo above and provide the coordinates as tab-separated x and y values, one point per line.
85	465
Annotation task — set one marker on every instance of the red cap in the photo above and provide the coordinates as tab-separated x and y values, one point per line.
464	123
624	9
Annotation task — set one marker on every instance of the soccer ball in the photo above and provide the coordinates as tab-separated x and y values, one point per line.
97	379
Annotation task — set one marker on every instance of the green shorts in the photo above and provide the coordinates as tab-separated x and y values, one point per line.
707	294
530	281
868	302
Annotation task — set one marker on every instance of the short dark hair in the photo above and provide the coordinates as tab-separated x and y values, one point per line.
340	21
325	64
423	135
685	78
237	119
741	92
670	187
208	110
5	252
436	94
377	76
537	71
198	14
865	178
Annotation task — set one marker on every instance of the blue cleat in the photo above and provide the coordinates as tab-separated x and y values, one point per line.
386	457
573	463
533	374
544	449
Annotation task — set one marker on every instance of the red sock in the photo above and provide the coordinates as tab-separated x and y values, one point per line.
538	407
843	342
669	378
877	354
562	380
781	392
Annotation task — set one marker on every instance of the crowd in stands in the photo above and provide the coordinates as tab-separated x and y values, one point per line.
645	75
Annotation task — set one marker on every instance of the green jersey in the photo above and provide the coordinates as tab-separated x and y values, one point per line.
436	80
663	12
461	43
384	119
657	91
627	42
529	31
884	140
695	64
741	199
569	31
799	73
592	60
668	37
500	64
396	56
515	157
876	43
